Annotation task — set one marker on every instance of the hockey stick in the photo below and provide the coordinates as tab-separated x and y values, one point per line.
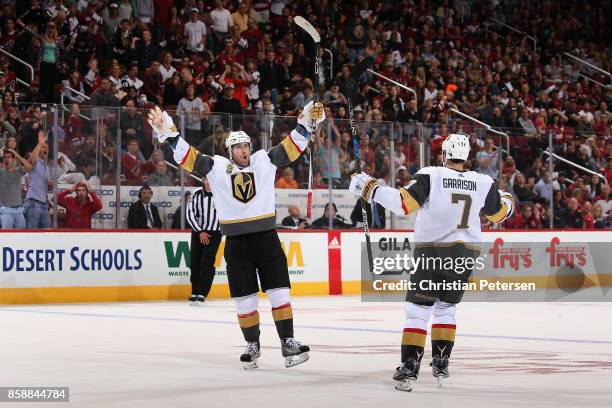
359	69
311	32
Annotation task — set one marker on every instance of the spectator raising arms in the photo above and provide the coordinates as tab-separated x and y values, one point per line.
35	206
81	207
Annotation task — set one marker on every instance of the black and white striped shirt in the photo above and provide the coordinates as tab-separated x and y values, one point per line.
201	212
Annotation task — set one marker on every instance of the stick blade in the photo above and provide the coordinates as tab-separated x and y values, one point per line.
306	26
361	67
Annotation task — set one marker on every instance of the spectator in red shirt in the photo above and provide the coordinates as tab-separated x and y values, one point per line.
254	40
228	56
532	218
517	221
235	74
318	182
608	170
587	215
79	209
131	163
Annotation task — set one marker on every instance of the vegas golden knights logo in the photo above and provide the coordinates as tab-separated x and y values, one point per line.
243	186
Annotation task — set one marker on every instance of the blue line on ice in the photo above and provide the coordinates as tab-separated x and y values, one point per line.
353	329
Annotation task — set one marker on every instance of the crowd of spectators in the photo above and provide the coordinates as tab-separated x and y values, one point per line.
228	64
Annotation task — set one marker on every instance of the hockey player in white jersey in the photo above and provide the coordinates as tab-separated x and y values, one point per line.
243	187
448	200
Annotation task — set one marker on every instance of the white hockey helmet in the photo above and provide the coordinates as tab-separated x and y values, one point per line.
456	146
234	138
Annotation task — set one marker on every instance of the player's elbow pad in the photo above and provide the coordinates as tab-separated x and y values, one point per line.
389	198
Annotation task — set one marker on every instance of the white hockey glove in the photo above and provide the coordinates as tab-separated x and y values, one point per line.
162	124
363	185
507	199
312	116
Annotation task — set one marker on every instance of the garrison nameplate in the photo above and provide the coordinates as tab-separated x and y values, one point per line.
243	186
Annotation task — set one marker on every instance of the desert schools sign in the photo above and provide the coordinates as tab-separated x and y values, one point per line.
106	266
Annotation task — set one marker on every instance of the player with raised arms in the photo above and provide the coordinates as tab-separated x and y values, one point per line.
243	188
448	200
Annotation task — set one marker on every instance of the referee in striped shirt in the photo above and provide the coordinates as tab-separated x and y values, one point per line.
205	240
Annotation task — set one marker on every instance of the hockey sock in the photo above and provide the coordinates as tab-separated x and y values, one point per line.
413	343
283	319
249	323
281	311
443	329
415	331
248	316
442	339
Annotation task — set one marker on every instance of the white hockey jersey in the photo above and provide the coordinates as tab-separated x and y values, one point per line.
244	197
448	203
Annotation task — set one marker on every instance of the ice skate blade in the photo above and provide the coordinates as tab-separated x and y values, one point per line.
292	361
440	381
404	385
194	303
250	365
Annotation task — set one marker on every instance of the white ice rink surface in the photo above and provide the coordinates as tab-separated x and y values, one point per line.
168	354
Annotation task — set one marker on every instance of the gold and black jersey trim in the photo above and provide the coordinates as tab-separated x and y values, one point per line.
292	150
415	193
197	163
257	217
284	153
494	209
248	225
409	204
500	215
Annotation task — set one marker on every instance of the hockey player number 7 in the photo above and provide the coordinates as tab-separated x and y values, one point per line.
467	205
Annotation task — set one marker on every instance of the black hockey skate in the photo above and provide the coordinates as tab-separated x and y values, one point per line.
439	368
294	352
250	356
193	300
406	374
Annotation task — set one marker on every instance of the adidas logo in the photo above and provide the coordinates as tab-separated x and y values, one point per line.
334	243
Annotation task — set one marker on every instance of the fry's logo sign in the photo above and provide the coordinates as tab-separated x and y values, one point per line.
514	258
565	255
182	255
